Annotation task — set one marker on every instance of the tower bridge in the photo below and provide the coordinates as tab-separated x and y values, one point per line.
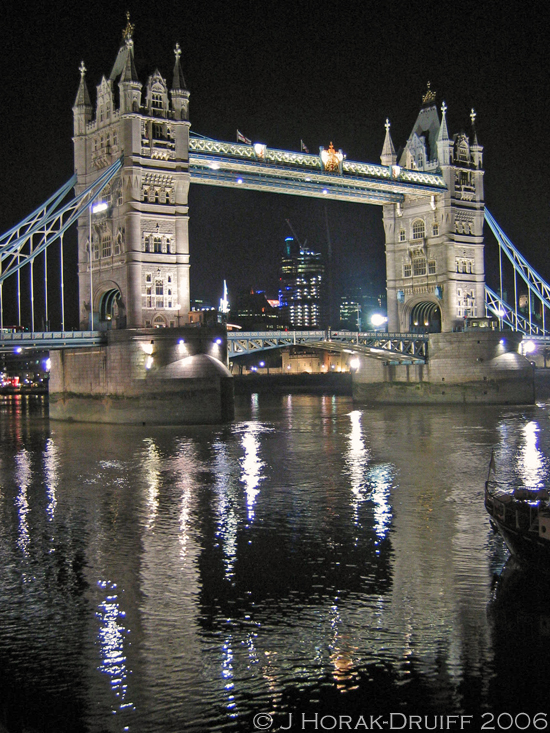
135	159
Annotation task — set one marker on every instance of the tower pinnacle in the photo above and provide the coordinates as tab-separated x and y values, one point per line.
388	156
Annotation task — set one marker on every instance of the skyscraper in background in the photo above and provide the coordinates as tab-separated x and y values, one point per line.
302	286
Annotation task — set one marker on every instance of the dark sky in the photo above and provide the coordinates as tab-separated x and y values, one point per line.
281	72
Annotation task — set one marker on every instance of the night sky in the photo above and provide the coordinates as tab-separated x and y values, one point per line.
281	72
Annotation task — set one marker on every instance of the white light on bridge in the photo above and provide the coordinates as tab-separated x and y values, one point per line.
239	180
378	320
214	166
354	363
528	347
100	206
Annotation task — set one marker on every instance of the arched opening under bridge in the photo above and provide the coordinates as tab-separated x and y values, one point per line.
425	318
111	309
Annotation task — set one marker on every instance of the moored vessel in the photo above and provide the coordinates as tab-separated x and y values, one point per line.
522	516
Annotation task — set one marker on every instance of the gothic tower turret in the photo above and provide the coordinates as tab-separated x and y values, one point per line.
139	253
434	244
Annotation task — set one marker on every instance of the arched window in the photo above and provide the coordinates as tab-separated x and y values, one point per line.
106	243
435	229
157	245
159	293
418	229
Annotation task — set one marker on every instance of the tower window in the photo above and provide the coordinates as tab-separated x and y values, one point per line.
159	293
431	267
402	235
435	229
157	245
407	270
106	244
418	229
419	266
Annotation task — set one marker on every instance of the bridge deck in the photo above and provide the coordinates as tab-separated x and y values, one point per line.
258	168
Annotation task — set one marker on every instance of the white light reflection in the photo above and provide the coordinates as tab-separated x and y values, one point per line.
368	483
227	675
23	478
357	458
531	462
251	464
380	480
51	467
112	635
228	520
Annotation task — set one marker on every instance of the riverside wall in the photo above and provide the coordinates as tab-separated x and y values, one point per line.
145	376
469	367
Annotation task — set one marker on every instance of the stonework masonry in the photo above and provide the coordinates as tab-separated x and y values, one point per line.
482	368
145	376
137	245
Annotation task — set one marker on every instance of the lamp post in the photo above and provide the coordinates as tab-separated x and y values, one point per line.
90	259
93	209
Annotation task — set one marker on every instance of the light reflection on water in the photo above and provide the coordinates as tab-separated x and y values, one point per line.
310	557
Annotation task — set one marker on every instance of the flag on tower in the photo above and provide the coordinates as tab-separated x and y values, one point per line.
303	147
242	139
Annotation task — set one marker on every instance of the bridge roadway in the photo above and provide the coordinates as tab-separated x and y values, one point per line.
259	168
396	347
404	348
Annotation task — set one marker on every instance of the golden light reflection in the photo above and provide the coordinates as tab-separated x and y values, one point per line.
151	465
531	460
23	478
112	638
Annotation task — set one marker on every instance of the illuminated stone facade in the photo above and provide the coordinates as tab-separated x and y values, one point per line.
434	244
139	242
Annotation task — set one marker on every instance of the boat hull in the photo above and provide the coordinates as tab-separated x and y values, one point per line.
526	546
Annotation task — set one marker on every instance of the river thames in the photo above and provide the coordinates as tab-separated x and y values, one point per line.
311	566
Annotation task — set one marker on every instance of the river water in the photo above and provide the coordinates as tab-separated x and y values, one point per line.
312	566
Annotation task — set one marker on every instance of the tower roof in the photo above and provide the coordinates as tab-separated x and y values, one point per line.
178	82
427	126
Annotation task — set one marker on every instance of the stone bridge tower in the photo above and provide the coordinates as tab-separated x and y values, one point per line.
434	245
139	243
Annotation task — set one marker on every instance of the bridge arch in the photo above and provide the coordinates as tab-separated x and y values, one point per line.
425	316
112	313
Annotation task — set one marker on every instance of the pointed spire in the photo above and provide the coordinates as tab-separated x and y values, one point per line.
179	81
443	142
443	133
388	156
82	96
473	116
